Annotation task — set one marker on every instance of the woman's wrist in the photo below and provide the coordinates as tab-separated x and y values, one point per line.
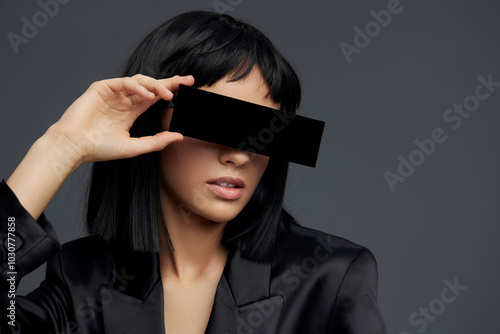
64	155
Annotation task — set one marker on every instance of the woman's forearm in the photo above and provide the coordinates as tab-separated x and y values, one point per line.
42	172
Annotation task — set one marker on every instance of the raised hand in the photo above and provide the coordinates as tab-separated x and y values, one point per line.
96	126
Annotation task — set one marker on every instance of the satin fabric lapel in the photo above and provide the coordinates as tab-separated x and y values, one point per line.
123	313
133	301
242	302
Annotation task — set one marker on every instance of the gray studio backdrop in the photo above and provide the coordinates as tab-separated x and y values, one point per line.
409	91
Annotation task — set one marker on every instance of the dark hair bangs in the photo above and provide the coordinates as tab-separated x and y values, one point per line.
211	46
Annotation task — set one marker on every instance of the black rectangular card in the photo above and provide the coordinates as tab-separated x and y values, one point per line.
247	126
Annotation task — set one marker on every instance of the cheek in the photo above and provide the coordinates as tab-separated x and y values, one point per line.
261	162
259	165
177	162
185	164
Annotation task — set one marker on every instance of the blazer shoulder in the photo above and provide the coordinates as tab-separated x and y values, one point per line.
86	249
306	237
91	262
301	245
84	260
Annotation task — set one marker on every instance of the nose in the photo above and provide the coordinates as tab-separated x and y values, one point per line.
235	157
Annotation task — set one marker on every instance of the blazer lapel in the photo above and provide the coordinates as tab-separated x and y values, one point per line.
242	302
133	301
123	313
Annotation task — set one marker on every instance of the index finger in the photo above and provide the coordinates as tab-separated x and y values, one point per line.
172	84
163	88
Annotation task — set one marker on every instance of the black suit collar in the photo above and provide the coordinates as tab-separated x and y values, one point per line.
242	300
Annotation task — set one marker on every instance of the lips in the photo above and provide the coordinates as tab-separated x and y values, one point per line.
227	187
228	181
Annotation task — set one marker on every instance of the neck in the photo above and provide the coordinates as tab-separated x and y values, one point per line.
197	249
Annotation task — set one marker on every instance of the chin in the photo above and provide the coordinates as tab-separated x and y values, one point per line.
217	217
218	213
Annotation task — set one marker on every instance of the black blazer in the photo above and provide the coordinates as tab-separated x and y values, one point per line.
316	283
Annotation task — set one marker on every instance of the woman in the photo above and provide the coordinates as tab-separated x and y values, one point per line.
187	236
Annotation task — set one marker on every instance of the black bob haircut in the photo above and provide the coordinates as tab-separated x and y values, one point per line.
124	202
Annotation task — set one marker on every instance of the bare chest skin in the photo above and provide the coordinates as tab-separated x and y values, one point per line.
188	305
